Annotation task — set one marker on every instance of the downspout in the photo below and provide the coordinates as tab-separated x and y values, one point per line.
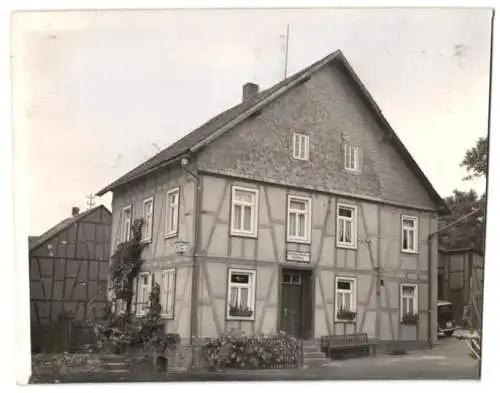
429	289
195	274
430	238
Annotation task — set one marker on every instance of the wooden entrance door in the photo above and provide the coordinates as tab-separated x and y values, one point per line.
295	315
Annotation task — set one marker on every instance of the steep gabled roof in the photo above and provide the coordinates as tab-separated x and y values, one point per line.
199	135
32	240
227	120
57	229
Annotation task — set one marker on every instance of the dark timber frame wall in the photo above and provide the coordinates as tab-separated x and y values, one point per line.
68	276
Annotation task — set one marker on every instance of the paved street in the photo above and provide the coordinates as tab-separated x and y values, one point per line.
450	360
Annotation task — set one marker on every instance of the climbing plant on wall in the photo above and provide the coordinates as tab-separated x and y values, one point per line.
125	264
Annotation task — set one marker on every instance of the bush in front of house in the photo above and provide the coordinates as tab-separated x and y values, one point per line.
410	319
57	365
235	350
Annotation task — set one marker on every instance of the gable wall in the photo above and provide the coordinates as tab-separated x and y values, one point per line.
327	108
161	248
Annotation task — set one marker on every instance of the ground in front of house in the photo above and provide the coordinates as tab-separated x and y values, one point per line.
449	360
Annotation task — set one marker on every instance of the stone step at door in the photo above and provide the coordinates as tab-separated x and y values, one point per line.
114	364
312	354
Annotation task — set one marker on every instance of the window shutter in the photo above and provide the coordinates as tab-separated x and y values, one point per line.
133	306
171	292
131	221
342	155
360	160
150	286
119	229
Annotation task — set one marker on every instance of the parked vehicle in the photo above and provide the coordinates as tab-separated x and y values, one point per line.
446	323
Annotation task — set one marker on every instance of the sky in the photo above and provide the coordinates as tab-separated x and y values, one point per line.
97	93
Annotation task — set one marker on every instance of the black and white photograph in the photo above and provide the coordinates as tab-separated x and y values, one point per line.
253	194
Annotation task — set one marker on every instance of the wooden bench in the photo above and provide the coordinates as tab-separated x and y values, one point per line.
347	342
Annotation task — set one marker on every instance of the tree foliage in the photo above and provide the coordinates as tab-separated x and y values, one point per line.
476	160
470	233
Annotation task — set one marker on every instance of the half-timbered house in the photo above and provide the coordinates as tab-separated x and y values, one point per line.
68	267
461	282
298	209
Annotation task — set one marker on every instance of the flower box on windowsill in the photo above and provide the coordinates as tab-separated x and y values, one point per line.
346	315
410	319
238	312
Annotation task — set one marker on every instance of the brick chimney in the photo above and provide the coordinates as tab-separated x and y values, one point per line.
249	90
75	211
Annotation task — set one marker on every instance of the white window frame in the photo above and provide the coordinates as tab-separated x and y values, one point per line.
351	155
164	293
354	225
408	229
307	221
148	219
254	212
401	297
142	304
353	292
172	210
121	306
251	293
126	224
302	153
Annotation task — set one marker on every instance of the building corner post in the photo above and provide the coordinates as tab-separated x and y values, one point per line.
193	335
195	274
431	313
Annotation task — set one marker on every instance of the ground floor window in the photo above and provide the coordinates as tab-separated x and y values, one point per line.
409	303
167	293
241	294
144	286
345	303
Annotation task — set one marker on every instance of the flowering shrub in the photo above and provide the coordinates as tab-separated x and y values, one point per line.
240	311
410	319
124	332
235	350
346	314
64	364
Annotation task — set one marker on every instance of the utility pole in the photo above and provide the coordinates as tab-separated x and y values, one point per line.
287	36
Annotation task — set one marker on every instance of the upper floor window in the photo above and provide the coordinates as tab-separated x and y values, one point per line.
167	293
244	211
346	226
148	219
299	219
126	227
409	235
172	216
300	146
351	158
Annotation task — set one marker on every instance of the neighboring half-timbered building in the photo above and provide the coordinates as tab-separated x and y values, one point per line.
461	282
298	209
69	267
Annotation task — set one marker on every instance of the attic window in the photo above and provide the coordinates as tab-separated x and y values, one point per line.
351	154
300	146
